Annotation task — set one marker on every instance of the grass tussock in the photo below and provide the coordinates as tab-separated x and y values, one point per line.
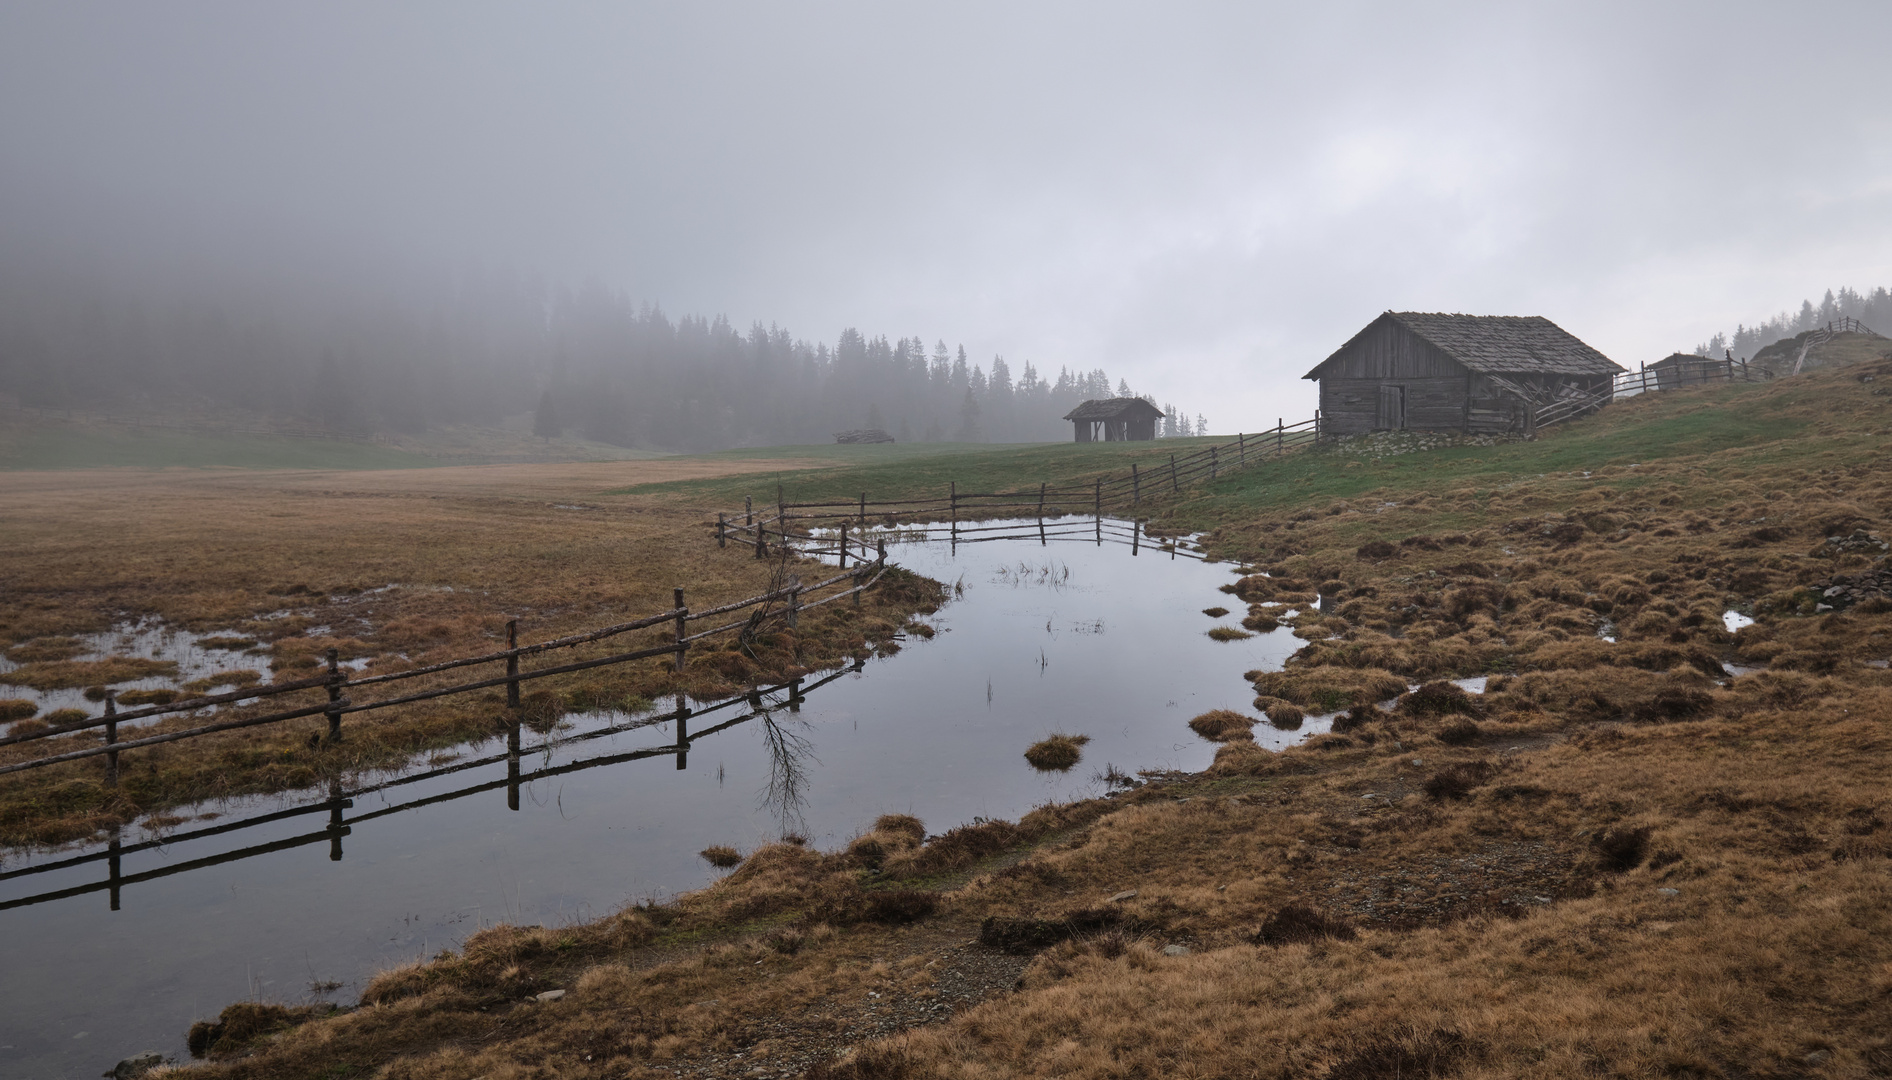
17	709
1227	633
1058	753
1223	725
721	856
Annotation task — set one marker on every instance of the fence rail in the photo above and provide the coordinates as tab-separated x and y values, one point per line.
793	599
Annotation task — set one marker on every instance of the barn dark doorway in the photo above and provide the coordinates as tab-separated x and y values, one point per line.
1392	407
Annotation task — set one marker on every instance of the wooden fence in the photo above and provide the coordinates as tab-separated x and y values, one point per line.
792	598
822	529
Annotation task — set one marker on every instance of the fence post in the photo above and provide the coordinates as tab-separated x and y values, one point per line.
953	495
794	603
1136	486
1097	508
781	509
682	612
334	696
337	828
1041	515
843	563
1173	485
722	531
1280	436
1136	532
748	510
1241	449
863	511
512	664
761	544
1212	462
881	546
111	738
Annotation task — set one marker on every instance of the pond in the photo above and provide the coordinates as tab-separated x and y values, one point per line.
330	887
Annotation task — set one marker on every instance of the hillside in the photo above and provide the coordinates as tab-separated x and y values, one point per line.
1653	845
1839	350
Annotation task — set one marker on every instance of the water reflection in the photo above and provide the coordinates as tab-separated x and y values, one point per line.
789	750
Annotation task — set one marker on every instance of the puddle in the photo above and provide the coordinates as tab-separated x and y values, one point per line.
1067	636
148	639
1734	620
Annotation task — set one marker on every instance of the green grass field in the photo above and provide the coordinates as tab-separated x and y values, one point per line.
1680	424
52	446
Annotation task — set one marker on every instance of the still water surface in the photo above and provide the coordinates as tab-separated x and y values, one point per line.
1062	637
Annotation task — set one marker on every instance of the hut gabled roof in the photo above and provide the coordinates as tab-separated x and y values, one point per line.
1679	359
1113	409
1496	344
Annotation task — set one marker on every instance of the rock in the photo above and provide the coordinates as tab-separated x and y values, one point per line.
1175	950
1418	761
1818	1057
136	1065
1127	894
548	997
1669	892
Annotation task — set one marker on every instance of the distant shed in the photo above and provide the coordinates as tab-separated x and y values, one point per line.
1470	373
1687	369
1124	419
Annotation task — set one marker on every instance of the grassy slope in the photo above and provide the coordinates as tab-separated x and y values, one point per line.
1609	865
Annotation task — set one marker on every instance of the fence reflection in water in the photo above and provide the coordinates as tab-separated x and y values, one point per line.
784	795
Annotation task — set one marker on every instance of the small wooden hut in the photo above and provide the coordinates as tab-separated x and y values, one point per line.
1124	419
1469	373
1687	369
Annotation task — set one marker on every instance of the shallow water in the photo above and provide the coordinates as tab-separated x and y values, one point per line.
1067	637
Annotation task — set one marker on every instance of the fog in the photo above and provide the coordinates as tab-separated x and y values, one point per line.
1201	200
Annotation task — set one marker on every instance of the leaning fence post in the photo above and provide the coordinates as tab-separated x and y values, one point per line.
334	710
512	663
1136	486
722	531
111	738
682	612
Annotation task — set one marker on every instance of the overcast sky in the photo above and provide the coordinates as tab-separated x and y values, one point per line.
1206	199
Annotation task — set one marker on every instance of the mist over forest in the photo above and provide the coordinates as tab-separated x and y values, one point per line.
586	362
1873	308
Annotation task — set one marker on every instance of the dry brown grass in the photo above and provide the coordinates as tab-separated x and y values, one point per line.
1056	753
217	550
1617	861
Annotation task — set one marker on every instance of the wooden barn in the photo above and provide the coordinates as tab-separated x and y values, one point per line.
1115	420
1469	373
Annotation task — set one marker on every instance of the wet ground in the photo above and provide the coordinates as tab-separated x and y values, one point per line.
107	956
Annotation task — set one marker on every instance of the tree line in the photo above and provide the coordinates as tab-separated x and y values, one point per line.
1874	309
586	362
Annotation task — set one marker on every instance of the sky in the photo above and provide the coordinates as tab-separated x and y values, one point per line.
1203	198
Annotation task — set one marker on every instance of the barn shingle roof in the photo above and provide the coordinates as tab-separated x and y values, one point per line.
1112	409
1498	344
